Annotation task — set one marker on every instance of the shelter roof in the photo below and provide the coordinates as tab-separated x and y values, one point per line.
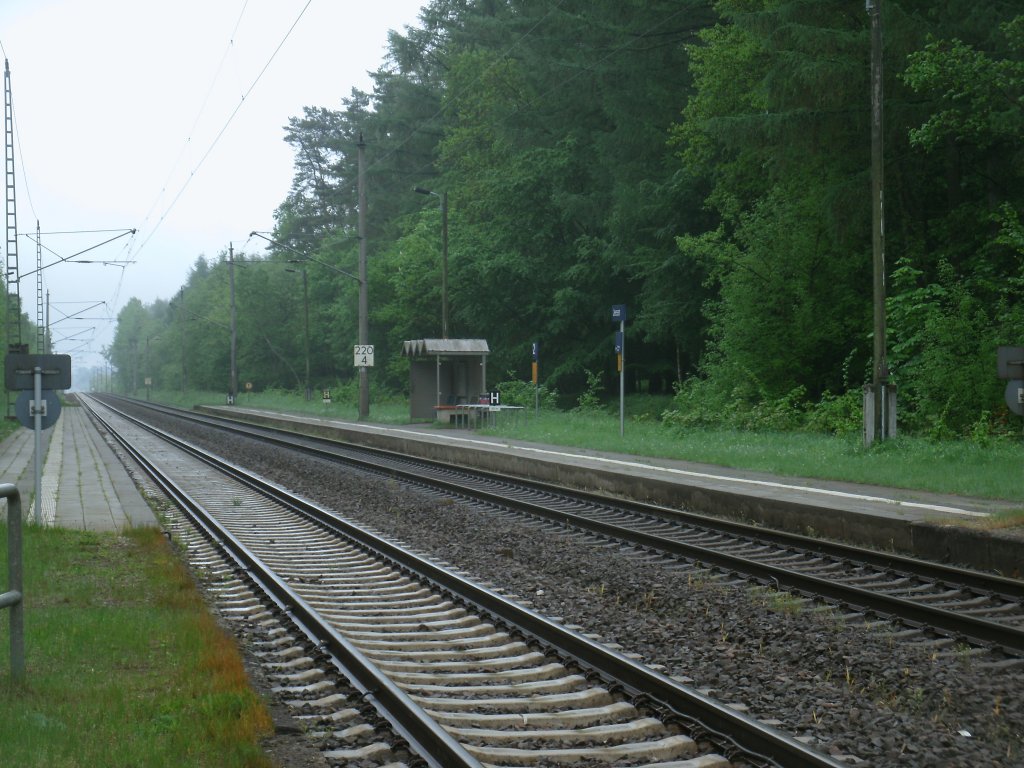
424	347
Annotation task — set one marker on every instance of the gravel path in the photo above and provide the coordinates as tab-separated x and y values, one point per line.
851	690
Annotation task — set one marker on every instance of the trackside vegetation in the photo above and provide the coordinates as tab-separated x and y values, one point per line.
125	666
704	162
962	467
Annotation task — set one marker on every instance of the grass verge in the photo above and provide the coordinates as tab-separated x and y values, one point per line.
125	666
959	467
956	466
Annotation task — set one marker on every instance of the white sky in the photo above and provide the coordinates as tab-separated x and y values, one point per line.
117	101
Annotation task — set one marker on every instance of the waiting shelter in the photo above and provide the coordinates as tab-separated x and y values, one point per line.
444	373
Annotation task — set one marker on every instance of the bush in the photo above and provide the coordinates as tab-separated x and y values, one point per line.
837	414
700	403
590	400
646	408
523	393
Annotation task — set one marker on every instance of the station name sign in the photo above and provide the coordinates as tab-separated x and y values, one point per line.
19	371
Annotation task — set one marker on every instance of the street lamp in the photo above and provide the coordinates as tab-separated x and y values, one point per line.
444	255
305	304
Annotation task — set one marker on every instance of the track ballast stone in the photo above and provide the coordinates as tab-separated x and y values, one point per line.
850	688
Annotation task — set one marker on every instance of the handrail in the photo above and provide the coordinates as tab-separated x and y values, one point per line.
14	598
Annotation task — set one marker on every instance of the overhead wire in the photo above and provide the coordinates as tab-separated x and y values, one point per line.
21	152
223	129
36	273
199	114
133	247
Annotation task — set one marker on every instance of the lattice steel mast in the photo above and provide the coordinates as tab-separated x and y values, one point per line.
40	327
13	283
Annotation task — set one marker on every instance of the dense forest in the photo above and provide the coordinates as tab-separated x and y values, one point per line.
708	164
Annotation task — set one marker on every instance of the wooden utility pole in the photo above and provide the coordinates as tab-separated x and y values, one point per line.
364	323
880	369
444	264
233	384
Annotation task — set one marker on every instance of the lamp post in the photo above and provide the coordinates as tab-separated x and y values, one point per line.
444	255
305	304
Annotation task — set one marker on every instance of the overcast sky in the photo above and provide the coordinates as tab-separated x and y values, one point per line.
117	109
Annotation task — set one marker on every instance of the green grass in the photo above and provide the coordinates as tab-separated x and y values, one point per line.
125	666
955	466
7	427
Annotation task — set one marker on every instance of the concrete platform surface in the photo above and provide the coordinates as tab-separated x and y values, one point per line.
939	527
84	484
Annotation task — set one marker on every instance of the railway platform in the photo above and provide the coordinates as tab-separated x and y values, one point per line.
84	484
940	527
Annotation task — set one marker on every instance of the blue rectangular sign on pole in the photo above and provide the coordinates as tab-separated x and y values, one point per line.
534	375
619	316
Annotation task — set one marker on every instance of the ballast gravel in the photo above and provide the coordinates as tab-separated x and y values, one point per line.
852	689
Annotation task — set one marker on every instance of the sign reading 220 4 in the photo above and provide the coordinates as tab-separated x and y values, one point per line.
363	355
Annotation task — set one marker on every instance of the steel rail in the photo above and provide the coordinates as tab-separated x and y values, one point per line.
754	738
1008	587
950	623
424	734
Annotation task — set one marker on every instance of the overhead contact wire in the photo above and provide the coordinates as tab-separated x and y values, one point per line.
224	128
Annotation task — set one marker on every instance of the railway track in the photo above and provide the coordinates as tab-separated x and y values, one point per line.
462	674
938	604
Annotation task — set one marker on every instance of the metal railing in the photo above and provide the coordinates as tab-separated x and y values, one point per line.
13	598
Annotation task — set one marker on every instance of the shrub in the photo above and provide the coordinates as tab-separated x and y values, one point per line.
590	400
701	403
837	414
523	393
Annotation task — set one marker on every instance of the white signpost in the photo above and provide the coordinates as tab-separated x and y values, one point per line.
363	355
